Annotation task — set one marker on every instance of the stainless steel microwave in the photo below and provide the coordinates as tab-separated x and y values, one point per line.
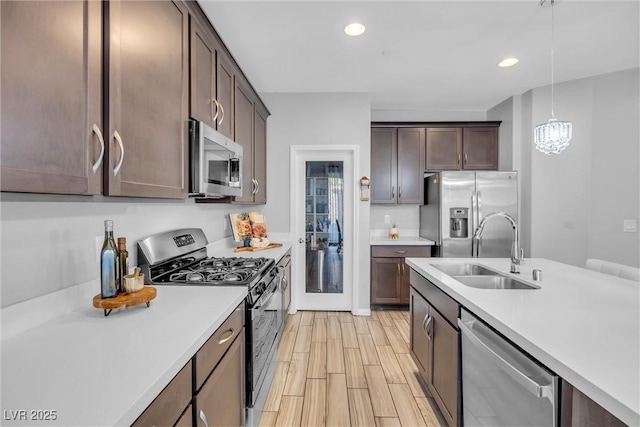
215	163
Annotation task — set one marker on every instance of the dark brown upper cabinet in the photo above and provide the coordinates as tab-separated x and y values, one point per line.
454	148
51	97
480	146
444	149
148	98
397	165
225	91
203	75
251	132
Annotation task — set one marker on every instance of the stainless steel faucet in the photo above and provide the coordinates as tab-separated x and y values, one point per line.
517	253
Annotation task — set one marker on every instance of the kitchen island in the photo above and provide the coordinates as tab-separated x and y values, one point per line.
88	369
582	325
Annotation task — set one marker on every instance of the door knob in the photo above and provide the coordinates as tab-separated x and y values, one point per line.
301	240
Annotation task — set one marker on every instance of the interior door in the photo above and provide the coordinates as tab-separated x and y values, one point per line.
323	211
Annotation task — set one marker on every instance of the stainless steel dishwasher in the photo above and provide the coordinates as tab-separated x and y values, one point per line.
502	386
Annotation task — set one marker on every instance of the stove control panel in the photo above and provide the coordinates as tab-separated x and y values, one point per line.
184	240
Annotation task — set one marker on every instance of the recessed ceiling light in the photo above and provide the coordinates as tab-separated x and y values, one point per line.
354	29
508	62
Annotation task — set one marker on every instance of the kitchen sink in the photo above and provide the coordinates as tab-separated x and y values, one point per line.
464	269
494	282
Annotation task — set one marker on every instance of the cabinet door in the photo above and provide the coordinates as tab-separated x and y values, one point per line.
51	96
411	158
386	276
186	420
444	149
443	379
244	136
384	164
480	148
169	406
203	75
420	341
260	157
148	98
404	283
225	81
220	401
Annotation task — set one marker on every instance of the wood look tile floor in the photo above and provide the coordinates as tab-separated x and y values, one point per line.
336	369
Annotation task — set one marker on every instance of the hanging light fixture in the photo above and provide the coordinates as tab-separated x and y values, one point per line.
554	136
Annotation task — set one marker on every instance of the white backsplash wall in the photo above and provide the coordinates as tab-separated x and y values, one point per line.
48	245
407	217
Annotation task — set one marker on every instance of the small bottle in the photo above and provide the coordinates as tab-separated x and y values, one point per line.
123	256
108	264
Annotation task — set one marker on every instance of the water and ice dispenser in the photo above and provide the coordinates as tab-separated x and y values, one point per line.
459	222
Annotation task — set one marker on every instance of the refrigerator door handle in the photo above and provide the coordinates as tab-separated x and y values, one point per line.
473	224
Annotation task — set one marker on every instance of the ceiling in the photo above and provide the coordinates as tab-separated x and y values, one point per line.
425	55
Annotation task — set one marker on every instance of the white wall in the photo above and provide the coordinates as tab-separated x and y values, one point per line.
504	113
49	242
574	203
427	116
317	119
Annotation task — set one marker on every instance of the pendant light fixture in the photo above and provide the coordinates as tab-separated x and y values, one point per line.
554	136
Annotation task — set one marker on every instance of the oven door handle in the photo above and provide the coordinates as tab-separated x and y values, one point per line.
266	297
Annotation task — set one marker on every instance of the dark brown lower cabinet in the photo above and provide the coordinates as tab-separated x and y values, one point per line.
435	345
169	407
577	410
220	401
390	274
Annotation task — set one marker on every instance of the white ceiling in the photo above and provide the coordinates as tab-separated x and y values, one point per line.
425	55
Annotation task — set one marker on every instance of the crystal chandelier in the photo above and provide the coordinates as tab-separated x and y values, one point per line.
554	136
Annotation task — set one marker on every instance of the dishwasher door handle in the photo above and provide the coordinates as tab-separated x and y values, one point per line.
538	390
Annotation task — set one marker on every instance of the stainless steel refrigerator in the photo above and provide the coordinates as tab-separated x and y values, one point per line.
456	201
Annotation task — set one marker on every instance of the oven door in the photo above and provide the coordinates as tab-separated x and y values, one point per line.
266	318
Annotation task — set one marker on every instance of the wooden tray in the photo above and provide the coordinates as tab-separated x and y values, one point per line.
252	249
145	295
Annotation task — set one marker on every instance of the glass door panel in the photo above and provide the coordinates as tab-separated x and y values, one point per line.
324	195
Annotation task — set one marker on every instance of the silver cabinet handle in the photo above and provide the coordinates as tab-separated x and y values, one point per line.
458	158
399	192
393	192
398	268
227	336
286	283
116	135
403	269
465	158
429	327
257	186
301	240
400	252
426	325
215	103
203	417
526	381
222	110
98	133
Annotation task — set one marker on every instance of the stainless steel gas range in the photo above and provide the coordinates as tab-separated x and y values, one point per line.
179	257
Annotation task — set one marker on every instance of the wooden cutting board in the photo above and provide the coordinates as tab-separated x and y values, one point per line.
145	295
252	249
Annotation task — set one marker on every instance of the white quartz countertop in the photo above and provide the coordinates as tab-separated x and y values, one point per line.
402	240
101	371
581	324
